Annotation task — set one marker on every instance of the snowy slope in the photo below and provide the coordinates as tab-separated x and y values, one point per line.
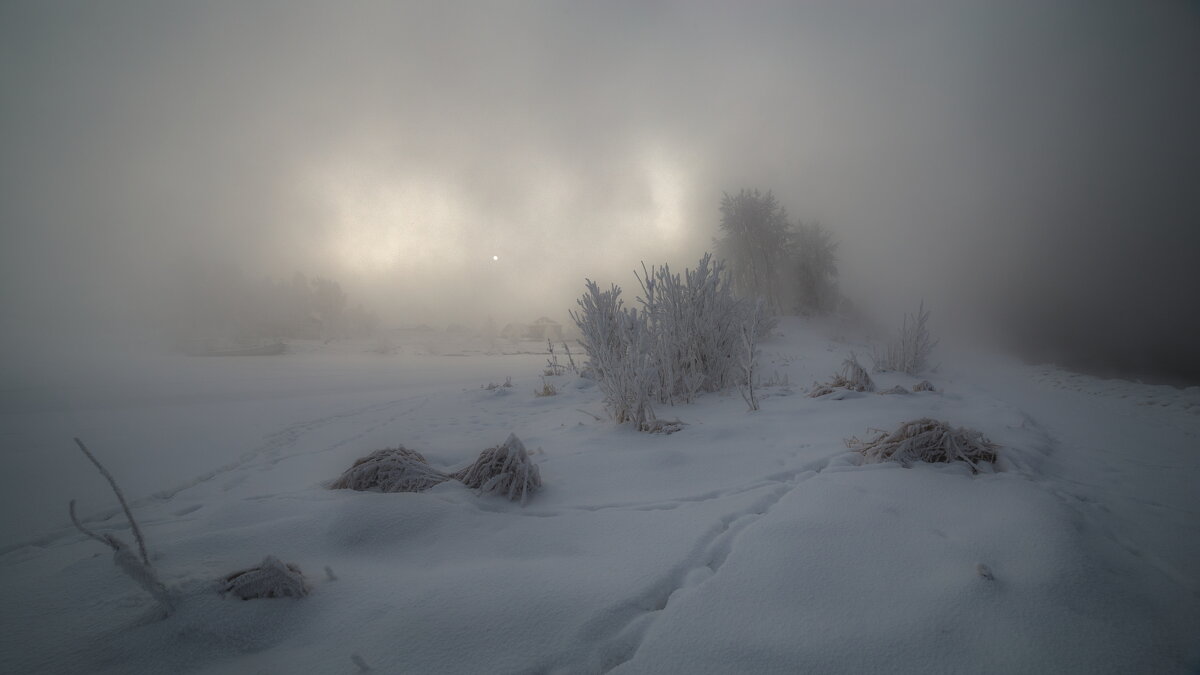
747	542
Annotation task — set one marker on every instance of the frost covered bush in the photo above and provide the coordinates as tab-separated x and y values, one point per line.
504	470
695	323
927	440
390	470
908	352
273	578
617	344
686	338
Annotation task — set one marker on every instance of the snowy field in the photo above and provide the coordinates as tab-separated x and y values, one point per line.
747	542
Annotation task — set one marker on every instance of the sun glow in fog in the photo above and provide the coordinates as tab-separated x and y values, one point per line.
383	224
412	227
668	192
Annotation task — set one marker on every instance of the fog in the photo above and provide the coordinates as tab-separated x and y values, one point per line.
1028	168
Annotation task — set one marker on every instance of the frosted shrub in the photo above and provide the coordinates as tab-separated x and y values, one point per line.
909	351
685	339
696	326
504	470
617	344
273	578
390	470
927	440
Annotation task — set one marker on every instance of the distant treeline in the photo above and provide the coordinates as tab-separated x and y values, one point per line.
224	302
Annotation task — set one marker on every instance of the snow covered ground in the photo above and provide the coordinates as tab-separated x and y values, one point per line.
746	542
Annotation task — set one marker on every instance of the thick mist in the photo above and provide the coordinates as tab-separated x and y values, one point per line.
1027	168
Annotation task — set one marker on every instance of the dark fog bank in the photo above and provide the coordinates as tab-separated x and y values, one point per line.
1029	168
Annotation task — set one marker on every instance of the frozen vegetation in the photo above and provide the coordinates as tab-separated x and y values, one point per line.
747	541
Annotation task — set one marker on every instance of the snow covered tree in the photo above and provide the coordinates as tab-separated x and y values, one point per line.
789	267
329	303
814	268
755	244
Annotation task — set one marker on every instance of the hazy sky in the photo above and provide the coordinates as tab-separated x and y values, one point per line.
1020	162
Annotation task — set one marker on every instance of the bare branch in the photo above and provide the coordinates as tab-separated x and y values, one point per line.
79	526
137	531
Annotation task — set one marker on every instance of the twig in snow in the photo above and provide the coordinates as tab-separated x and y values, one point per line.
137	531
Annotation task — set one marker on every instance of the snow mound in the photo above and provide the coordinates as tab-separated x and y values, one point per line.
505	470
273	578
390	470
927	440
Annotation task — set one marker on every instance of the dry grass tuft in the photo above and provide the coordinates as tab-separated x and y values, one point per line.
273	578
927	440
505	470
818	390
924	385
852	377
547	389
390	470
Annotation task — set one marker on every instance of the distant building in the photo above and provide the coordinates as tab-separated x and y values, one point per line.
545	329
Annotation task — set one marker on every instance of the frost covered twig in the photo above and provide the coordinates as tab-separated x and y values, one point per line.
137	531
123	557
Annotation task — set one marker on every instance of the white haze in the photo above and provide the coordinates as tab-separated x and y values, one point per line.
1022	166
